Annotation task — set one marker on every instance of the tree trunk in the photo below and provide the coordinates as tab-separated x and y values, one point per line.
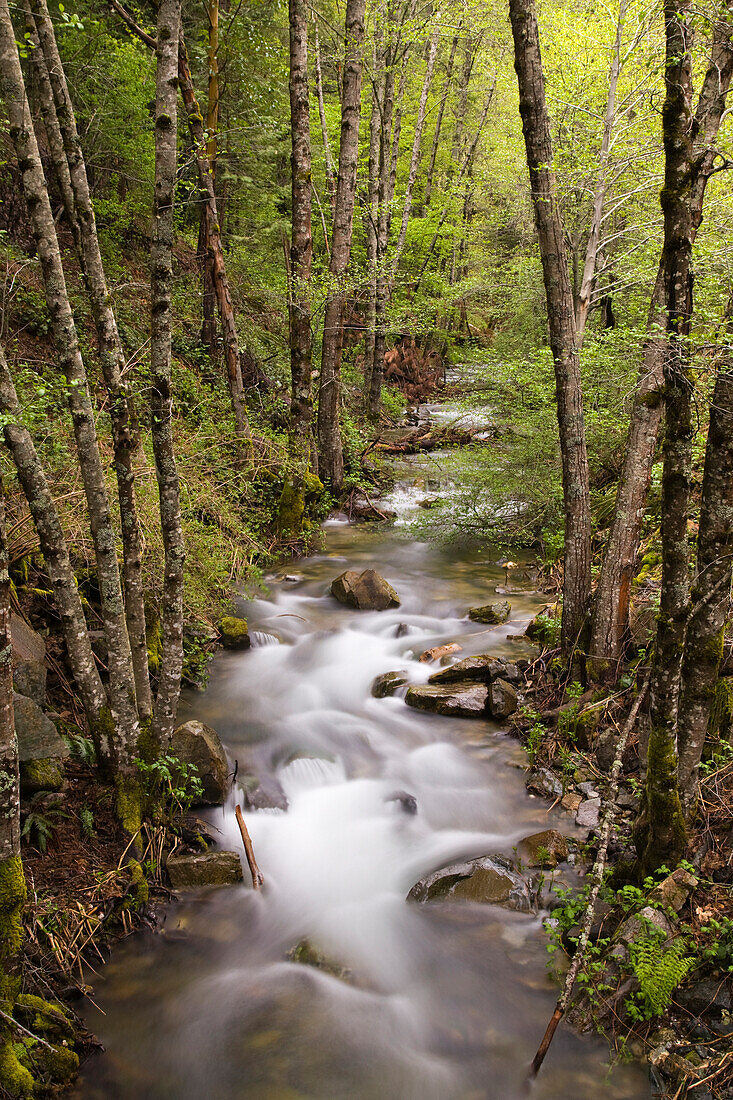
331	459
611	611
13	1077
123	720
561	320
161	405
328	159
710	597
218	266
371	221
301	247
665	829
439	123
59	119
381	287
208	294
67	600
415	158
599	194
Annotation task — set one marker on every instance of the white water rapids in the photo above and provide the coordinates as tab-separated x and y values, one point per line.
442	1001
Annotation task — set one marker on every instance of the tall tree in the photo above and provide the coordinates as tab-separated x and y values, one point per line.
330	450
301	245
439	122
161	404
664	826
12	879
561	319
611	610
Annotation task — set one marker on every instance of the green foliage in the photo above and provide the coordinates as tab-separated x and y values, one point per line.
171	784
660	967
86	820
42	819
81	747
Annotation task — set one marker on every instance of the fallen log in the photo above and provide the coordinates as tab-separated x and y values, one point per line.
428	441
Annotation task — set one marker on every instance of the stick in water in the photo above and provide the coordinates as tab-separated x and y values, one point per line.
258	880
596	878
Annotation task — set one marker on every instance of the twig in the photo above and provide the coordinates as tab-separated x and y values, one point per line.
13	1023
597	878
258	880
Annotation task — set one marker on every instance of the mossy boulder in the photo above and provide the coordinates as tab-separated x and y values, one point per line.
41	775
544	849
193	871
388	683
366	591
200	745
299	499
545	629
234	632
307	954
37	736
29	661
491	613
57	1063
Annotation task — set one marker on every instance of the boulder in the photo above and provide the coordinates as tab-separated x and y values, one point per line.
542	782
492	613
234	632
711	995
406	801
461	700
488	880
29	661
544	849
197	744
588	813
41	775
38	738
673	891
388	683
482	668
365	591
266	796
502	699
191	871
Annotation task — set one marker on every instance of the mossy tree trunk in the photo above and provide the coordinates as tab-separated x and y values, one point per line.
710	596
161	402
16	1080
561	319
611	610
665	828
118	730
330	450
60	125
301	244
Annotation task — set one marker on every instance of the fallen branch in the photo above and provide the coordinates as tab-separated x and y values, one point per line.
596	877
258	880
428	441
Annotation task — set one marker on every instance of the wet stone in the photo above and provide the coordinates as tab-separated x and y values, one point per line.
491	613
588	813
193	871
544	783
388	683
487	880
38	738
482	668
461	700
234	632
502	699
199	745
544	849
366	591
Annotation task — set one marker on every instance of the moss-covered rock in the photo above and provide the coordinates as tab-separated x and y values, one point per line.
41	775
720	723
234	632
491	613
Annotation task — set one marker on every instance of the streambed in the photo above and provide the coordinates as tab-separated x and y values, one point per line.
442	1001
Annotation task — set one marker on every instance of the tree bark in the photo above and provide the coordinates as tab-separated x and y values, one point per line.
208	293
439	123
330	451
561	320
710	596
123	721
371	221
587	282
59	120
218	266
161	405
67	600
301	246
665	829
611	610
13	1076
327	157
381	280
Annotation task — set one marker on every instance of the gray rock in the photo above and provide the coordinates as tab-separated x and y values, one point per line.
38	738
388	683
637	927
407	802
502	699
488	879
192	871
482	668
366	591
709	995
673	891
29	661
545	849
197	744
461	700
266	796
588	813
542	782
588	789
492	613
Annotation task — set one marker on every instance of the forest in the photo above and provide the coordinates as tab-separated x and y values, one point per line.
366	549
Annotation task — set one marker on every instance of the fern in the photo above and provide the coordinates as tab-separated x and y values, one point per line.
660	969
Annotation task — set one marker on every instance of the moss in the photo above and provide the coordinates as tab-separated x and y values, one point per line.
41	775
46	1018
720	723
155	647
138	894
60	1064
148	746
290	510
103	736
665	833
14	1078
129	803
231	626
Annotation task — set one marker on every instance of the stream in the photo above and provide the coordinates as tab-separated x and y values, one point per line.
441	1001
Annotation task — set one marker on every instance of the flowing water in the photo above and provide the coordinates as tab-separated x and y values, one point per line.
441	1001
